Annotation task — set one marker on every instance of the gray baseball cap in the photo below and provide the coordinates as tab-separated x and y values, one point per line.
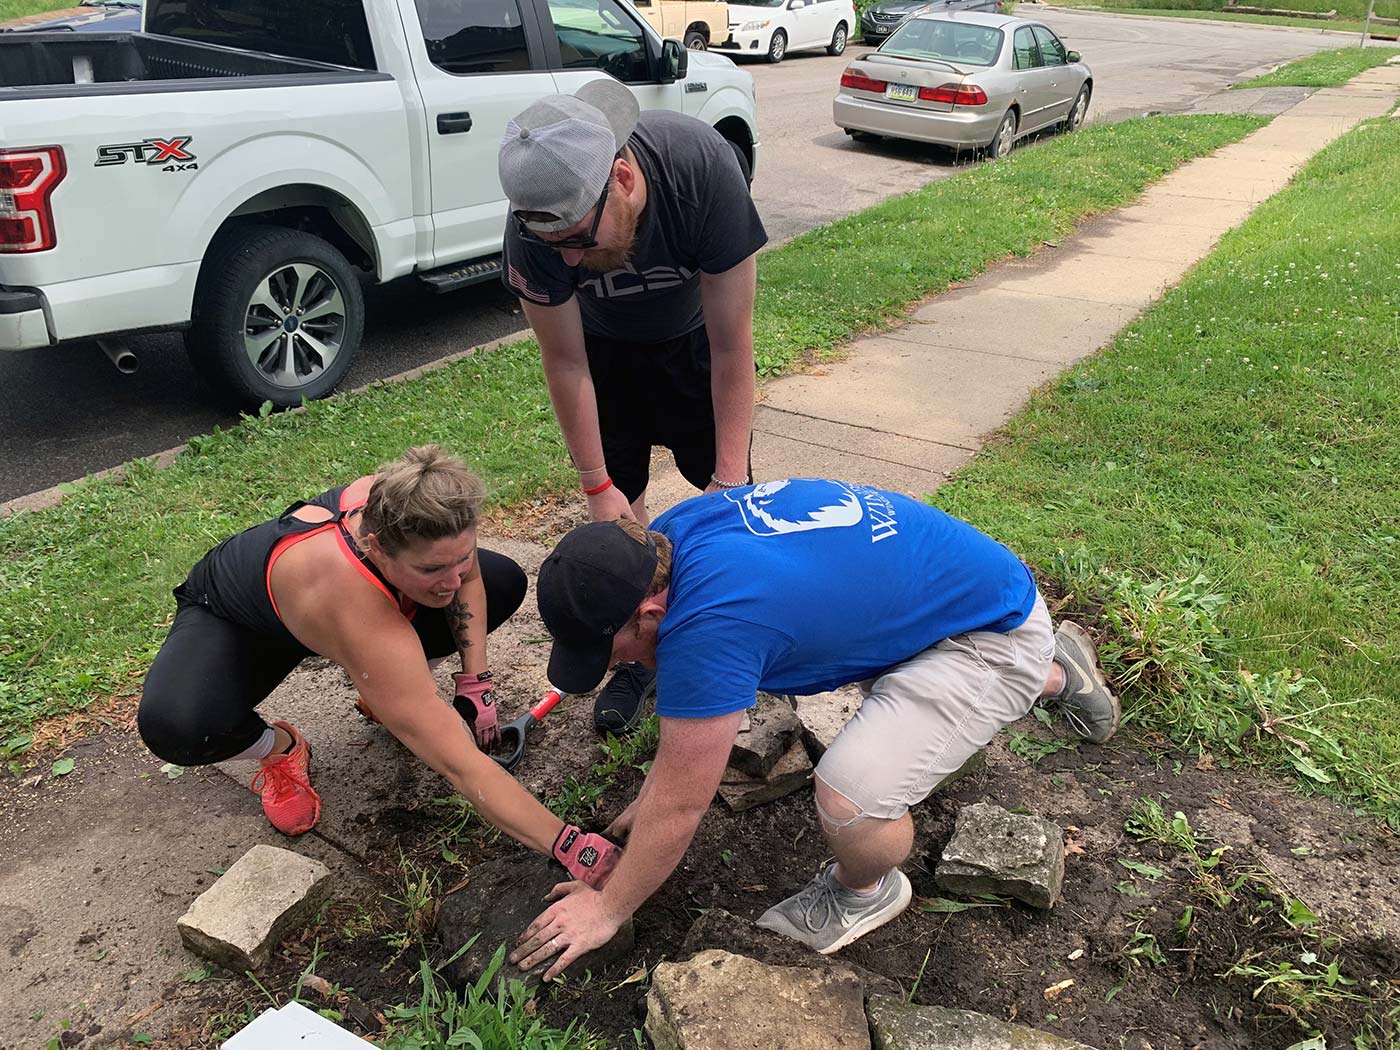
557	155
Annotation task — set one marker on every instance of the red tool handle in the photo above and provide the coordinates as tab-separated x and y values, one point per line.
548	703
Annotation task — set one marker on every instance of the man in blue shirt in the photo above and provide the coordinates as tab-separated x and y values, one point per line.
801	586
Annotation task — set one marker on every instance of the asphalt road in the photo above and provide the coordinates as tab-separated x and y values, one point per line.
67	412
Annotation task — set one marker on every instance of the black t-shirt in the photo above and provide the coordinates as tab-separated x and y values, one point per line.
699	216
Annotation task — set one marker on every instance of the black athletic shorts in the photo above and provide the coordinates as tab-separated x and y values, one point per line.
653	394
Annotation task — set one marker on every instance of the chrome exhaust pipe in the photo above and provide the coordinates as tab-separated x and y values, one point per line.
123	360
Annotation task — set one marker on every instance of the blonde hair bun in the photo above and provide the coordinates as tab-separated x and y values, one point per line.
425	494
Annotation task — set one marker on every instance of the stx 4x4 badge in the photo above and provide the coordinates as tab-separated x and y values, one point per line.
170	154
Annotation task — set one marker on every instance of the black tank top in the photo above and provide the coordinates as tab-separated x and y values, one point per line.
232	580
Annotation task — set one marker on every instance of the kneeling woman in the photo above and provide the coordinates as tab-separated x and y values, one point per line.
381	575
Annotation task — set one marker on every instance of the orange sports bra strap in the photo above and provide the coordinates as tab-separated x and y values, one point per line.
358	562
280	548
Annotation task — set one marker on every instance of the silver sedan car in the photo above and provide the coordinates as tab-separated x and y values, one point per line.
971	81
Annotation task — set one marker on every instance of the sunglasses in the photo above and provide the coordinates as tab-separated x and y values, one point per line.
574	242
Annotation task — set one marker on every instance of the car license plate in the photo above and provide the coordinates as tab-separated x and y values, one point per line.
902	92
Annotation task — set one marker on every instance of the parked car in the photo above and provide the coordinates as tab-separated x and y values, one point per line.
695	23
772	28
883	17
239	168
95	16
971	81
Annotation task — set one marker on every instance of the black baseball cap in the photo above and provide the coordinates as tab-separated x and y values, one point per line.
587	589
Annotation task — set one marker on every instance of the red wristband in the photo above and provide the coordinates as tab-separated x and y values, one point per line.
601	488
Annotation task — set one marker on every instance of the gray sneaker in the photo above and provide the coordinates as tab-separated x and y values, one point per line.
1088	705
825	916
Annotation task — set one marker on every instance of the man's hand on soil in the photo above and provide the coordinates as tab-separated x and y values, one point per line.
573	926
609	505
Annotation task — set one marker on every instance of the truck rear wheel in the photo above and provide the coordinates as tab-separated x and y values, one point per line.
695	40
278	316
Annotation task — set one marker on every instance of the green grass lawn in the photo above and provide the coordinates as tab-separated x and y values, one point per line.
85	586
1243	431
10	9
1324	69
1350	12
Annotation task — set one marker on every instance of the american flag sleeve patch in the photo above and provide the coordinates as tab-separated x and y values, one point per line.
518	281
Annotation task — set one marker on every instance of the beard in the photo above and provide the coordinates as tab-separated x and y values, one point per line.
601	260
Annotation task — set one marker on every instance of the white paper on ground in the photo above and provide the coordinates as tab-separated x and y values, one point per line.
294	1025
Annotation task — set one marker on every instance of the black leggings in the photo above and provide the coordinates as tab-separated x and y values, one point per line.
200	699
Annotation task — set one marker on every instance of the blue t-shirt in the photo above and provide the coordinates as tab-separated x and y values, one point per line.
802	586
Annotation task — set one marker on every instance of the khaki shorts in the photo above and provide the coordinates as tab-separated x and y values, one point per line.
920	721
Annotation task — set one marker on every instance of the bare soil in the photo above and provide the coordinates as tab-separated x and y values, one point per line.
1006	960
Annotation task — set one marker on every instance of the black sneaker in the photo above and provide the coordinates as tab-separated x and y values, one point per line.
623	701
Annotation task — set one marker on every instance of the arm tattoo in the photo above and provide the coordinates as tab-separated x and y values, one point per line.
458	616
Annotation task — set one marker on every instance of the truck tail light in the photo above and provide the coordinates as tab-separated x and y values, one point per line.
852	79
955	94
27	180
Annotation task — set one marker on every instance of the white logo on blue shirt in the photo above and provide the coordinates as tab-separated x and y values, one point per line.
776	508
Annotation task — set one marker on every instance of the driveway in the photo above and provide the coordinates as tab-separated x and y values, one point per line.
67	412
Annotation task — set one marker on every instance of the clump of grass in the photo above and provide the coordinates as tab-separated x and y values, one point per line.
1162	636
1165	648
577	799
1148	822
478	1017
417	899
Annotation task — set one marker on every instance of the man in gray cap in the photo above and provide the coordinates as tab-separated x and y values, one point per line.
631	245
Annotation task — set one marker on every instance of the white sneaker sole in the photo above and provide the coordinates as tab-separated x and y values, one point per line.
875	921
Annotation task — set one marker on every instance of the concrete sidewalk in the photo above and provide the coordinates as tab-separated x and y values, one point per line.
907	407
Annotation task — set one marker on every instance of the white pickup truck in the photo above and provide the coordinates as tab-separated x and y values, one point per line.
240	167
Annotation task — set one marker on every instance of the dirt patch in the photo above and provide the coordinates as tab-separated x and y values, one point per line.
1143	977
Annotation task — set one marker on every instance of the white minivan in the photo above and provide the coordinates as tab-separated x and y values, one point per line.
772	28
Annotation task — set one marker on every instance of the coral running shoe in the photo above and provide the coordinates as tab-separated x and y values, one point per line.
284	782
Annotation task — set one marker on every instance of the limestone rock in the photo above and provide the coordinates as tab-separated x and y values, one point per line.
719	1001
265	895
773	726
824	715
500	899
792	773
717	928
896	1025
993	851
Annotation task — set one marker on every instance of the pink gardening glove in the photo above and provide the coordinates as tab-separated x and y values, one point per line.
476	703
588	857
